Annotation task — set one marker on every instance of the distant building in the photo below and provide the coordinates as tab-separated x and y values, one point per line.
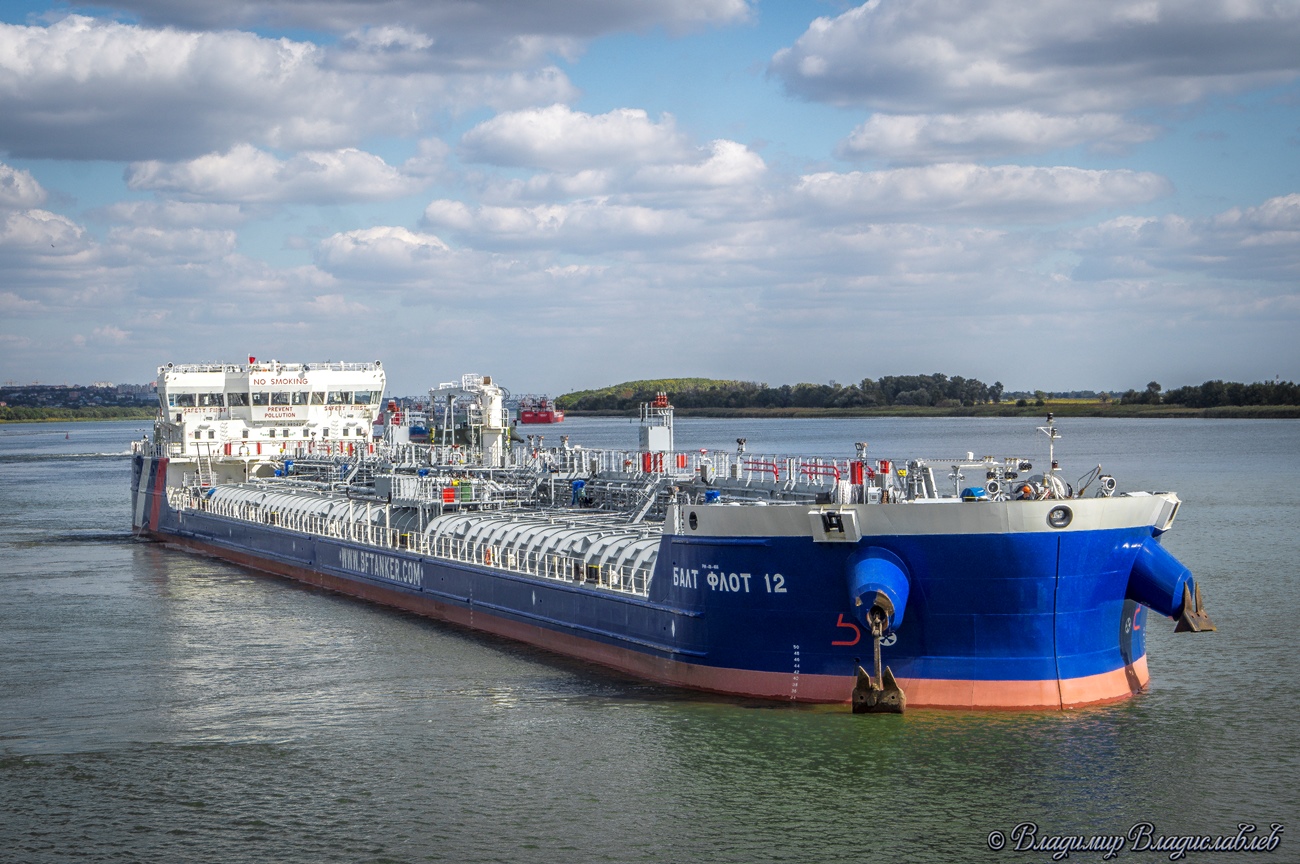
77	396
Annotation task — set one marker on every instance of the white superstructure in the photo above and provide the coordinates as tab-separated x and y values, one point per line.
483	407
263	409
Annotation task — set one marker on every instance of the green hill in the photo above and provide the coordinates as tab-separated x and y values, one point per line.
935	390
630	394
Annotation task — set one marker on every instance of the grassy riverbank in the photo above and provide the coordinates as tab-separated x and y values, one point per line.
1059	407
72	415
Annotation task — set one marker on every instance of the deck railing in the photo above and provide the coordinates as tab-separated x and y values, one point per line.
787	472
746	467
361	527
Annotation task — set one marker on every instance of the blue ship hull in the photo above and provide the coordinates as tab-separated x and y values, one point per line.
1004	618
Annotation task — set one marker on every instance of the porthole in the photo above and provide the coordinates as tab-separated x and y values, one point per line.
1059	517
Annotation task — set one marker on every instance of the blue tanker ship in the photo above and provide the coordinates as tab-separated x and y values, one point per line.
858	580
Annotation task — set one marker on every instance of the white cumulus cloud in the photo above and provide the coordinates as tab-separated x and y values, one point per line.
179	245
38	229
13	305
382	252
249	175
466	32
111	335
558	138
1056	56
19	189
95	89
586	225
1242	243
922	138
727	164
966	191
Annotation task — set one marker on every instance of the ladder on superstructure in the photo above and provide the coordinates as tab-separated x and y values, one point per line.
204	465
649	496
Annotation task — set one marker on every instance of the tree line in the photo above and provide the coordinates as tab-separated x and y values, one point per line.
934	390
21	414
925	390
1216	394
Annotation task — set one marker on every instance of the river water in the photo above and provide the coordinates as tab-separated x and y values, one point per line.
156	706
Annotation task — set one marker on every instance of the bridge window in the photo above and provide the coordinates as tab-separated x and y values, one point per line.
280	397
237	400
299	397
261	399
180	400
361	397
340	397
318	397
210	400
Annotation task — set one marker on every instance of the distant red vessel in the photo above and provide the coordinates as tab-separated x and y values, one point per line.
539	409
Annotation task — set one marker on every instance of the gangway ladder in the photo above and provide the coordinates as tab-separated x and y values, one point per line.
648	497
204	465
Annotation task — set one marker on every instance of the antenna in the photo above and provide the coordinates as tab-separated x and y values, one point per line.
1050	431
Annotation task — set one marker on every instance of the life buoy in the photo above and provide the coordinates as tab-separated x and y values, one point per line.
243	449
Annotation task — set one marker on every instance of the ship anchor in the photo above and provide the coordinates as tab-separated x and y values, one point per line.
1193	618
879	694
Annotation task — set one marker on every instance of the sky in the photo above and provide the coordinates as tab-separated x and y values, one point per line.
568	194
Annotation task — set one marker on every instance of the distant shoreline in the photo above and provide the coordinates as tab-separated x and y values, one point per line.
1060	409
74	415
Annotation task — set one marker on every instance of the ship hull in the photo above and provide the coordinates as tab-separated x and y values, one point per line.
998	620
529	418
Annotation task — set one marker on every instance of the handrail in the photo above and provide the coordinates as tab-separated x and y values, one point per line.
811	471
269	366
763	466
820	469
564	568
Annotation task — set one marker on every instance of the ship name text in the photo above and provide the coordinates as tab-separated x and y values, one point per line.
383	566
731	583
